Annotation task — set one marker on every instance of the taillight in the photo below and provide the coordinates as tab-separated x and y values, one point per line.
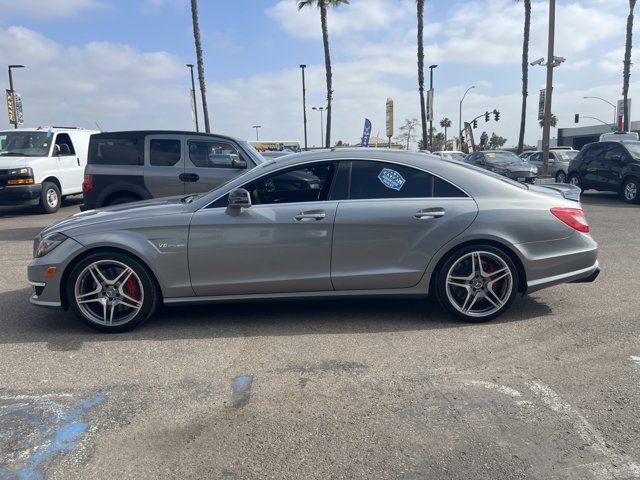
88	183
574	217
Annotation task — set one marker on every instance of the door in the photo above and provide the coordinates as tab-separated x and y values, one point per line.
71	172
613	162
282	243
536	160
591	167
212	162
164	165
395	219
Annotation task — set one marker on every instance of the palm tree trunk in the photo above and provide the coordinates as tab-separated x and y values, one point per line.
196	36
423	113
627	64
525	72
445	138
327	66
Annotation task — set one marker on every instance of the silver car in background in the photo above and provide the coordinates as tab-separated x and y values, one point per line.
347	222
558	162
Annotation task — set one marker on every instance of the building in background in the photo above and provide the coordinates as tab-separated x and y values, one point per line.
580	136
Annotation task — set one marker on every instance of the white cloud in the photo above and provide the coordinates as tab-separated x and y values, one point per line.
48	9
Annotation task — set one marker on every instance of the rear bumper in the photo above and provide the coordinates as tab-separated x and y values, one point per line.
20	194
589	278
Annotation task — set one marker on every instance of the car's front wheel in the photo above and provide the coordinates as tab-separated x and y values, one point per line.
477	283
574	179
561	177
111	291
50	198
630	193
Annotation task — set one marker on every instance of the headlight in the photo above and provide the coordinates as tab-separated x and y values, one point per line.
20	176
534	169
44	245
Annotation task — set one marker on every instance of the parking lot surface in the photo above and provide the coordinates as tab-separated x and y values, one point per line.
329	389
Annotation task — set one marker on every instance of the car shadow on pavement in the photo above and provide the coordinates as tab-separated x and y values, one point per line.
32	210
604	199
21	322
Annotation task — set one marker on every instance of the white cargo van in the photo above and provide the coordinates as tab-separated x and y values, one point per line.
40	166
618	137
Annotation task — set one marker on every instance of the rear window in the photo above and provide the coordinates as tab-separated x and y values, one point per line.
116	150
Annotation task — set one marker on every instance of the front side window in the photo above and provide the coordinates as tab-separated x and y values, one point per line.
164	153
65	145
614	152
211	154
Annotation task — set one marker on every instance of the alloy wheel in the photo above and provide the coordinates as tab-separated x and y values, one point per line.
479	284
630	191
561	177
574	180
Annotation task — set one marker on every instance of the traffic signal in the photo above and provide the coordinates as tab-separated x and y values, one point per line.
496	115
486	116
475	124
462	137
577	119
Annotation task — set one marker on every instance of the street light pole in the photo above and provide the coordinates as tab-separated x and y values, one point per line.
546	129
193	96
321	110
257	127
460	117
15	124
304	106
615	118
430	97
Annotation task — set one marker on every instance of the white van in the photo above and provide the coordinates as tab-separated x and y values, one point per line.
618	137
40	166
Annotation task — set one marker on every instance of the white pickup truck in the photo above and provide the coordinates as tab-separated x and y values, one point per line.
41	166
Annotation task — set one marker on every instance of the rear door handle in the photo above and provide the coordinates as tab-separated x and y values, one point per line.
189	177
435	212
310	216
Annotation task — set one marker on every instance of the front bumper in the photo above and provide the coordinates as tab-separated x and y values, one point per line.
20	194
525	176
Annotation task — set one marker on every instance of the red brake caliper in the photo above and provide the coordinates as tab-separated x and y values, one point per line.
490	269
132	288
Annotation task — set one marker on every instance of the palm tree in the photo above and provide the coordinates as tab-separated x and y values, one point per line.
196	36
627	63
445	123
322	5
553	121
423	112
525	71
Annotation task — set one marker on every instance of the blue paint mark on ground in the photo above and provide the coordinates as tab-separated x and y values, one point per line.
62	436
241	390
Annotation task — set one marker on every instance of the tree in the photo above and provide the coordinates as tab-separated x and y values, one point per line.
484	140
438	142
553	121
445	123
496	141
420	4
323	5
525	71
406	131
626	74
196	37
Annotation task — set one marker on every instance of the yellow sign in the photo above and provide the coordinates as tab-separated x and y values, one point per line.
11	107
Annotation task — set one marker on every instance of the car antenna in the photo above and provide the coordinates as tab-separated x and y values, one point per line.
98	127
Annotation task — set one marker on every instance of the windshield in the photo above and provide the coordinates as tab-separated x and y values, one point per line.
633	148
255	154
502	157
25	144
453	156
566	156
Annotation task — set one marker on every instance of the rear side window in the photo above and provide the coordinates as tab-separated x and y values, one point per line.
164	153
115	150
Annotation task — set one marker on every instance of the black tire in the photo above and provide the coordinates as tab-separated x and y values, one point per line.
574	179
490	253
122	199
50	198
561	177
630	191
148	292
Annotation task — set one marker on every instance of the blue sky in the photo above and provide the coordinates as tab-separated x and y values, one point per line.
121	63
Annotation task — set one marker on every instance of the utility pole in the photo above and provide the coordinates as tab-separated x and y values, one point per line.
193	96
257	127
304	106
546	129
430	103
15	124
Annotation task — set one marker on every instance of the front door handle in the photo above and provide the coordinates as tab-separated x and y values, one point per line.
436	212
310	216
189	177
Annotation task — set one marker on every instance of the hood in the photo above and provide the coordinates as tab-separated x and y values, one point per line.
130	211
515	166
7	163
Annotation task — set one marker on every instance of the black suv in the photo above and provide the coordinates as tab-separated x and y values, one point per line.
124	167
608	166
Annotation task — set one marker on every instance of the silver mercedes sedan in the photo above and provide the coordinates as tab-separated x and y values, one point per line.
329	223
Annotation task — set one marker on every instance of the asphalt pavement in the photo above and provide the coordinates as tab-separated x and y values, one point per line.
328	389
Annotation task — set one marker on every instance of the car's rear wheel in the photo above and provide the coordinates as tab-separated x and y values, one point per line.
111	291
574	179
477	283
50	198
561	177
630	193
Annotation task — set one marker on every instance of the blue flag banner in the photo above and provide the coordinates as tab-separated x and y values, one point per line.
366	133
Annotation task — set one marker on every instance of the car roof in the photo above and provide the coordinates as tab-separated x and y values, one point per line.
170	132
52	129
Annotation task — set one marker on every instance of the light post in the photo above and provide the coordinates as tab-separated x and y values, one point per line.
615	119
460	117
193	96
321	110
257	127
430	98
304	106
15	124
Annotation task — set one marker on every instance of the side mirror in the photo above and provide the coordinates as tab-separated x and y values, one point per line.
56	150
239	198
617	157
481	161
239	163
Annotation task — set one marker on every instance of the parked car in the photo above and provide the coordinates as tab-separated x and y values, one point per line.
450	155
272	155
608	166
527	154
125	167
41	166
504	163
330	223
558	162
